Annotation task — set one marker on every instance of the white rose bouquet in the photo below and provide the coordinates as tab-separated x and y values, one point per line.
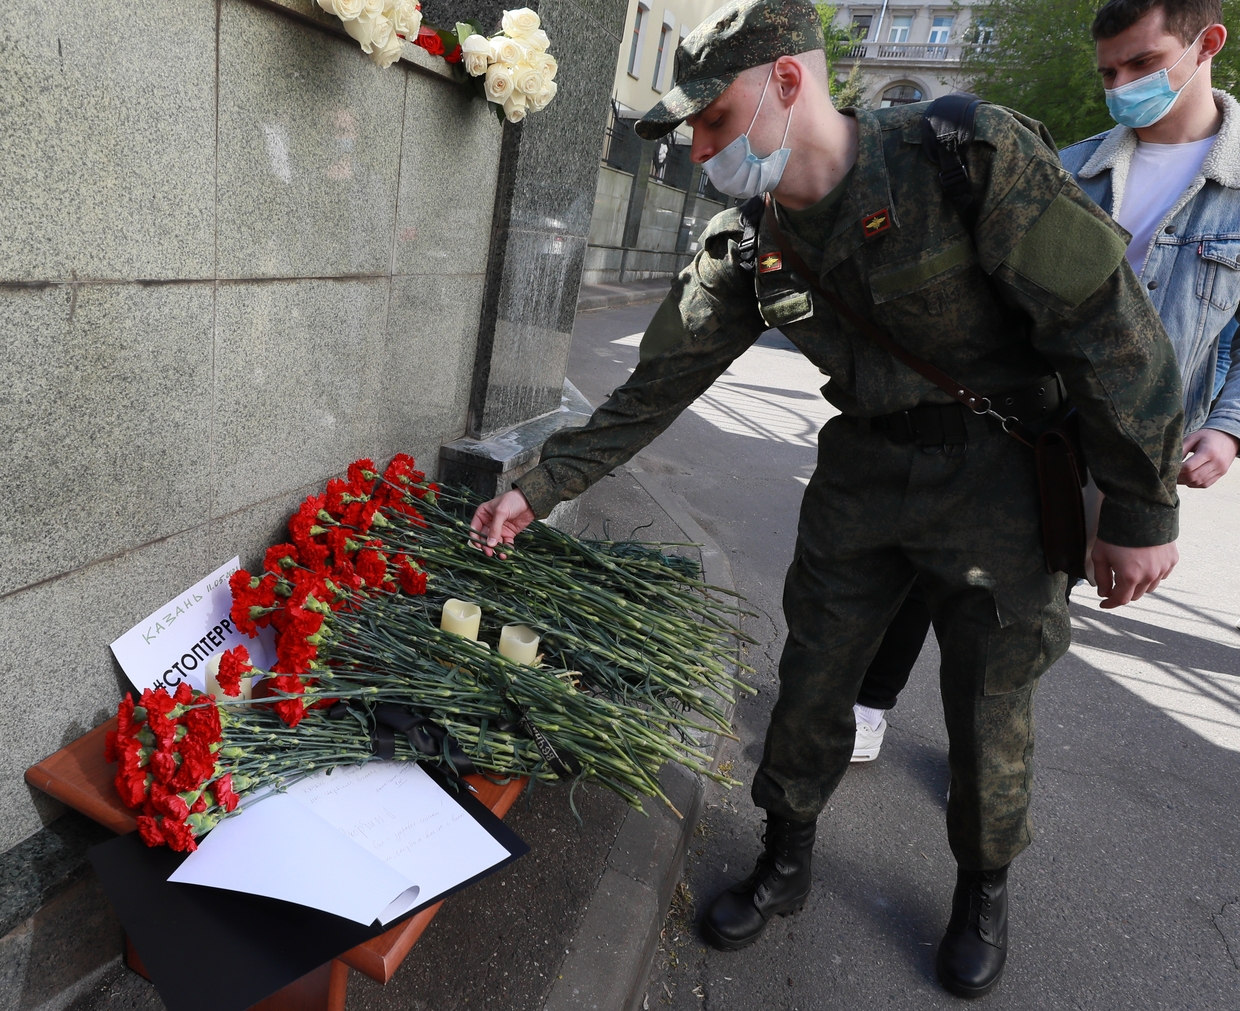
512	69
518	73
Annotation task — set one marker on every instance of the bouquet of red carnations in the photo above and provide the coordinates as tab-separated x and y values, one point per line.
637	660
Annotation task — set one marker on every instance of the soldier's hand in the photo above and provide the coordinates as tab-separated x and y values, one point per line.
1126	574
500	520
1209	454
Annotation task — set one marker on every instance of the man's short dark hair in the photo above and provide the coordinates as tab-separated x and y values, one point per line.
1184	18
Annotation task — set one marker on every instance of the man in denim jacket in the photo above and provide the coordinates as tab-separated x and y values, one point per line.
1154	57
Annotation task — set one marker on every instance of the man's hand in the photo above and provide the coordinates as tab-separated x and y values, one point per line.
500	520
1210	453
1126	574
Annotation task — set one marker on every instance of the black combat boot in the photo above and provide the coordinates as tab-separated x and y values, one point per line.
778	886
974	949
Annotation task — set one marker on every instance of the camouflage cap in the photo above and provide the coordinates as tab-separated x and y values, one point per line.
739	35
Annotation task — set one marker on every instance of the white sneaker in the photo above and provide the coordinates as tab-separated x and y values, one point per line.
869	740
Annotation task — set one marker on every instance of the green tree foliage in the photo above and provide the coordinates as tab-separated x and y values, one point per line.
846	91
1037	56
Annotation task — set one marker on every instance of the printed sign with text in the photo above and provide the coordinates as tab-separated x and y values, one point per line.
173	644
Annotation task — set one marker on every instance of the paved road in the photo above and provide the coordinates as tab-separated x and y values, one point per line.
1129	898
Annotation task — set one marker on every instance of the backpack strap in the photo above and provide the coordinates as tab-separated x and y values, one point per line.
751	218
946	130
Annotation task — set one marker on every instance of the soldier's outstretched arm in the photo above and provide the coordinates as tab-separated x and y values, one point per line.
709	317
1058	256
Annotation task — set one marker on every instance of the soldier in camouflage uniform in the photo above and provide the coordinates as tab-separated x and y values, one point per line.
909	484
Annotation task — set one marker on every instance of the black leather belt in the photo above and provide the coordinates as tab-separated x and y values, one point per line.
947	427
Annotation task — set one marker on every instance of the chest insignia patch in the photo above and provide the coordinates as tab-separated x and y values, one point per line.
876	223
770	262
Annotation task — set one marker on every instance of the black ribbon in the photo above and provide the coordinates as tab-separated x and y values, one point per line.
569	769
426	738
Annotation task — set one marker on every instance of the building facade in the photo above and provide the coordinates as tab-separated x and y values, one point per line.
652	202
908	51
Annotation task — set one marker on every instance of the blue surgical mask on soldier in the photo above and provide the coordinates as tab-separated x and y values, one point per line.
1148	99
738	172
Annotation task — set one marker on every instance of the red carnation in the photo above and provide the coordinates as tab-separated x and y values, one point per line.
280	557
290	711
253	601
197	766
234	665
124	716
158	704
224	795
203	722
166	802
164	766
363	474
148	829
371	565
178	835
131	785
412	578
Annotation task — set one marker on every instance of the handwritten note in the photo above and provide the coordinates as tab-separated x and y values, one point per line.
366	842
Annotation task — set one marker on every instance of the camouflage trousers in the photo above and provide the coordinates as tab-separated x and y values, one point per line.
876	516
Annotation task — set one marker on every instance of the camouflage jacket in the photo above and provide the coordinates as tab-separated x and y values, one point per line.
1041	285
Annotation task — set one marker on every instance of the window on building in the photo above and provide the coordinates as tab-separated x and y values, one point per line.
660	56
635	49
861	26
981	34
901	94
900	25
940	30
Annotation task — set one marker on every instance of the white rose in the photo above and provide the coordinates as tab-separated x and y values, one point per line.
514	107
539	102
506	51
536	40
520	22
499	83
526	79
371	32
388	53
545	64
407	18
346	10
476	54
373	7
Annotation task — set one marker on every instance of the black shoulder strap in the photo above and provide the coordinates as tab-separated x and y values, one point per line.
946	130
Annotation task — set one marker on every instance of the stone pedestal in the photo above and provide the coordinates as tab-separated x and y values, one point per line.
489	466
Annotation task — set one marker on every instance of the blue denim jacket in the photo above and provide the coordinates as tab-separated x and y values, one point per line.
1193	271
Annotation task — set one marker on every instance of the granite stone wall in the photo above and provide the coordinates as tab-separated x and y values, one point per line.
237	255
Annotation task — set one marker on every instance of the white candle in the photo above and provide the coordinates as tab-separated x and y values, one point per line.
460	617
213	684
518	644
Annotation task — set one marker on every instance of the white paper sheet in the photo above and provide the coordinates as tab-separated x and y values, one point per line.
366	842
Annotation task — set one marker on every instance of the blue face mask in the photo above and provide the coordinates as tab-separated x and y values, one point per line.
738	172
1148	99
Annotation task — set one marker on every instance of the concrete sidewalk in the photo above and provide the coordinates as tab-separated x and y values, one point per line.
608	296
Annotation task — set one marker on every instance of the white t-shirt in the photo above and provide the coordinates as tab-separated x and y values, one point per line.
1159	173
